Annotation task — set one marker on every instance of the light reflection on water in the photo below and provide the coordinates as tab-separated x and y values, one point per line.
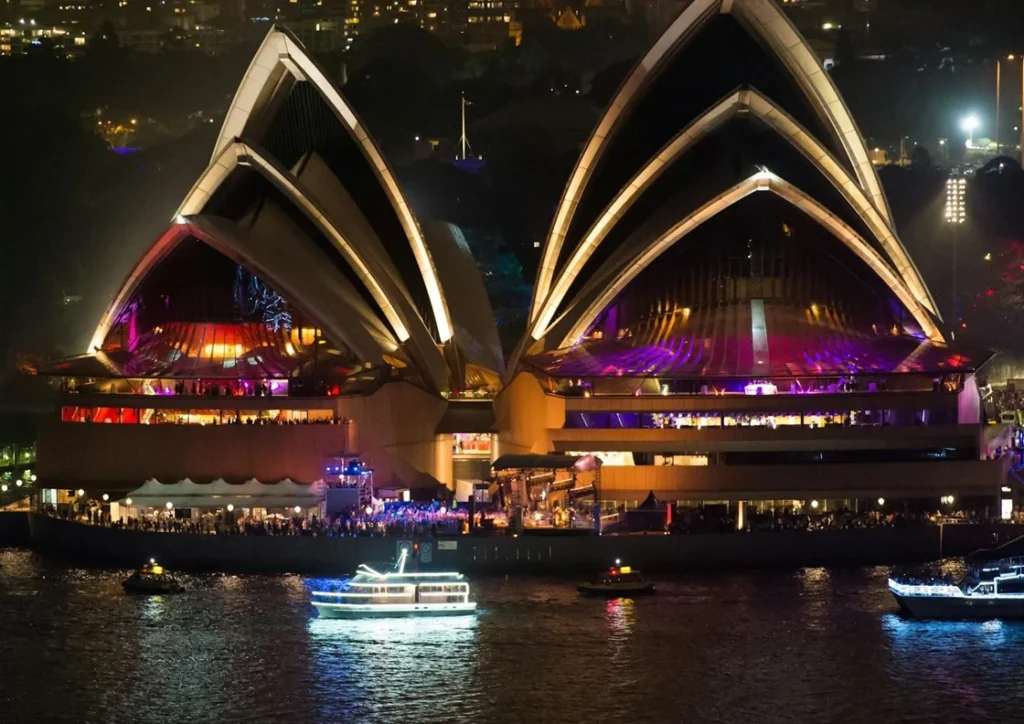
781	647
419	661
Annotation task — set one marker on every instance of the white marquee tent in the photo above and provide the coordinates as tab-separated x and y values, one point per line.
218	494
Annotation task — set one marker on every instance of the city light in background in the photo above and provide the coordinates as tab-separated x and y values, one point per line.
969	124
956	197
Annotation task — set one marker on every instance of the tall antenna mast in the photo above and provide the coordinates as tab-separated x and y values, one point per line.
462	139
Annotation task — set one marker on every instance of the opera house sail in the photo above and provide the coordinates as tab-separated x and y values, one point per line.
724	308
293	285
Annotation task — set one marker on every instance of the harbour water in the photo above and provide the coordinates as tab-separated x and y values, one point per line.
811	645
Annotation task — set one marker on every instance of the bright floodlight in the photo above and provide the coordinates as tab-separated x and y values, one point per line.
970	123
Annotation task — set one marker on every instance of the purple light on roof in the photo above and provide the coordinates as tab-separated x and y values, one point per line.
123	150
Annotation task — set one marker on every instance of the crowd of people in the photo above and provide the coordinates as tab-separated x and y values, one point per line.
408	520
274	421
1008	399
422	520
709	521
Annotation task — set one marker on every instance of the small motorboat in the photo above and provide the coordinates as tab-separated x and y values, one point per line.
617	581
151	580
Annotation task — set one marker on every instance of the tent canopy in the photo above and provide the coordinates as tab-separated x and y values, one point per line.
651	502
217	494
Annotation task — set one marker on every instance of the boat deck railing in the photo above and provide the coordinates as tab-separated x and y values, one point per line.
941	590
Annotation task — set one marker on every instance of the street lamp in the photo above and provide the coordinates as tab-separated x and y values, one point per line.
969	125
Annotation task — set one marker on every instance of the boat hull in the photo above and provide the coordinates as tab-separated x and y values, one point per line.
596	590
143	590
399	610
936	607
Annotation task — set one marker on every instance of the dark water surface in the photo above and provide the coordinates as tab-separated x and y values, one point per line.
814	645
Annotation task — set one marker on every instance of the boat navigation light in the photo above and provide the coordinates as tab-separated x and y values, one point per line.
881	502
617	561
152	561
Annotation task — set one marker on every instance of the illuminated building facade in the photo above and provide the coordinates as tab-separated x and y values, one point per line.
724	310
294	311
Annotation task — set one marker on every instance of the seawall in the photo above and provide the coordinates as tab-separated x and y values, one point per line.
524	554
14	530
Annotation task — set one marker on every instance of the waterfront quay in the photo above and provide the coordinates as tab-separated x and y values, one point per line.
496	553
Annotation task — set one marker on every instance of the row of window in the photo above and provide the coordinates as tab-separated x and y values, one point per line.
157	416
813	457
701	420
16	455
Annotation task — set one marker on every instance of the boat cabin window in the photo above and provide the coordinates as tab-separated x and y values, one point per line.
1015	585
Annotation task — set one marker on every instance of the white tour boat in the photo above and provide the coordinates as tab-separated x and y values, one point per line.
396	593
992	588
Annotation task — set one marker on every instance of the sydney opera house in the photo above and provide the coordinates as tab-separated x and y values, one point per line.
724	310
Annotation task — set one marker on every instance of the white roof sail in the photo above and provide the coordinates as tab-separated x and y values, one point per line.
281	50
615	275
768	24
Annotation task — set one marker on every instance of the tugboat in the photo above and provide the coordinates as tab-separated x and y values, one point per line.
150	580
396	593
992	588
615	582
